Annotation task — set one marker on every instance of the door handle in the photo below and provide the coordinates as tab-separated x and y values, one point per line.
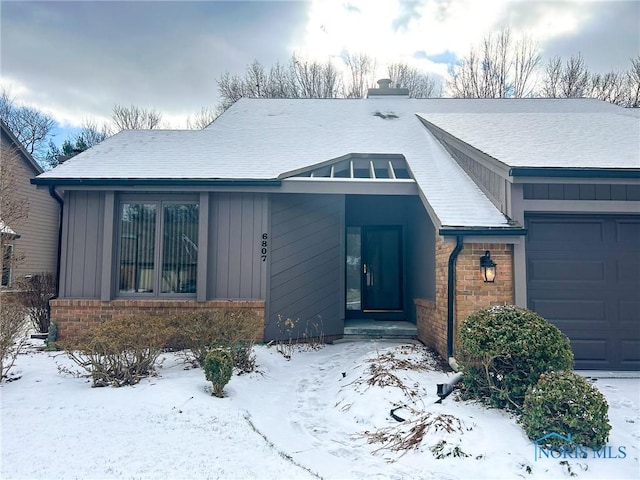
364	268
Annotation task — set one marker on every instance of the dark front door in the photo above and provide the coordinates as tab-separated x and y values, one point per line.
374	270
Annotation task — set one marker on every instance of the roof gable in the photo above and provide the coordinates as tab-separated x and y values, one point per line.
26	156
553	139
271	140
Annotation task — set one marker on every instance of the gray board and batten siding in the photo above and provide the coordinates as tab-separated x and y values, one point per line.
234	268
82	241
580	191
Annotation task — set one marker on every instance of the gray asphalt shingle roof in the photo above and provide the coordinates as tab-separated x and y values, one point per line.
266	138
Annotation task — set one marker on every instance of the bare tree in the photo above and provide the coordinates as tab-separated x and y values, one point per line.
632	90
569	81
203	118
91	133
134	118
552	78
281	83
575	78
231	89
361	70
526	61
302	78
256	81
499	68
31	127
419	84
313	79
609	87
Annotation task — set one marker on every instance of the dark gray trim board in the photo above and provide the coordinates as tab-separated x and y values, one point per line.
574	172
483	231
160	182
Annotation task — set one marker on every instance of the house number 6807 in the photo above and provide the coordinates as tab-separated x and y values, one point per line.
263	247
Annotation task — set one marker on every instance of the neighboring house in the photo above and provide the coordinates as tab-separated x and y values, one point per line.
322	211
29	217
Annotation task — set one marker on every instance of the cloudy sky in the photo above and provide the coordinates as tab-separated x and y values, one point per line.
76	59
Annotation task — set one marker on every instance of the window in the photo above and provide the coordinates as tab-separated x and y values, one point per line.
7	259
163	233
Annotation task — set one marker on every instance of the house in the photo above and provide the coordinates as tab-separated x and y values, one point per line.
324	211
29	217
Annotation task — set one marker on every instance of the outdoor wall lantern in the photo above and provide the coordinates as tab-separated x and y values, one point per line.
488	268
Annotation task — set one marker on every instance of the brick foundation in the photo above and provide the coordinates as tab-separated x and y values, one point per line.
471	293
74	316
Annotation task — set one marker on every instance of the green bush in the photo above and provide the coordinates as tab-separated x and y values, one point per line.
565	403
232	329
120	351
52	336
503	351
218	368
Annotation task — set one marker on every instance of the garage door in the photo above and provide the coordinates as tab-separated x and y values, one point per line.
583	275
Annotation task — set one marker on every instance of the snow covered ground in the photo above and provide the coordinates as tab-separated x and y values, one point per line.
299	419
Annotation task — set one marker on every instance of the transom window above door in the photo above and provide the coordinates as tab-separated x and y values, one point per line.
158	247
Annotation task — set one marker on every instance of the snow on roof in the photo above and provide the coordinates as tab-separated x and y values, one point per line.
589	140
265	138
6	229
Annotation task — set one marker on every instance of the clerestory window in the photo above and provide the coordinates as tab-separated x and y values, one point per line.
158	247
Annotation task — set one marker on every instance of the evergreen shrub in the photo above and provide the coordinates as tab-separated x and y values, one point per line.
567	404
218	369
503	350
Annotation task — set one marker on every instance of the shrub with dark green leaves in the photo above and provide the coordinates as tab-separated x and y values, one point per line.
218	369
567	404
503	351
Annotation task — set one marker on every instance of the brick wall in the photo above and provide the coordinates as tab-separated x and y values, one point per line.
428	332
471	293
74	316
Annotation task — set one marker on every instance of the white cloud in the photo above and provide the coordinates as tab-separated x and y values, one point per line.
394	30
77	59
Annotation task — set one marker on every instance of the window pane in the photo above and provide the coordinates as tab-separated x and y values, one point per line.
180	248
137	247
354	269
7	259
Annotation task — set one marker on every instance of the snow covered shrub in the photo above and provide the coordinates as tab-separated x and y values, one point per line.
218	368
13	334
233	329
503	351
567	404
120	351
